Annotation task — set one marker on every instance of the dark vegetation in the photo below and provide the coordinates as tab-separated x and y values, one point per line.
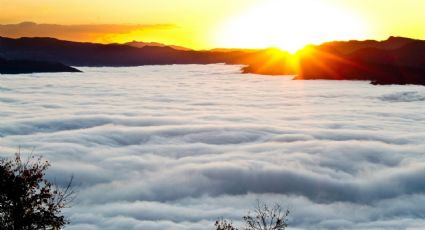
29	201
263	217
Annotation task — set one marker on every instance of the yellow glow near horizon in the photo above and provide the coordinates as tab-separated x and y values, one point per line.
290	25
204	24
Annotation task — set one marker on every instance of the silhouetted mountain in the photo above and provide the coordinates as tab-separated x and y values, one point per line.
92	54
29	66
393	61
378	66
143	44
347	47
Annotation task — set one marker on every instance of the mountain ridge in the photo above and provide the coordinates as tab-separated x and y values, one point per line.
140	44
397	60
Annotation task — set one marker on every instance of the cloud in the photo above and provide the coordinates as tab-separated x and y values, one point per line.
409	96
85	32
175	147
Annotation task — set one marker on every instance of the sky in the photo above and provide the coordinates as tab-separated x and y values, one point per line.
176	147
202	24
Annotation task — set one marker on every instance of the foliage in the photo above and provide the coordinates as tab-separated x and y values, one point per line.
263	217
223	224
27	199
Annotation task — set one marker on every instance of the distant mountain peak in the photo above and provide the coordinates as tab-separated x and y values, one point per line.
400	39
140	44
27	23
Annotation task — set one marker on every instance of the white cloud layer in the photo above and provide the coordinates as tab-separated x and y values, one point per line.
175	147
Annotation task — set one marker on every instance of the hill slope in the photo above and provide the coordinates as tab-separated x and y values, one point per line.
31	66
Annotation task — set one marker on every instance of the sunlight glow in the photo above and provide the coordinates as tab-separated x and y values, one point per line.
290	25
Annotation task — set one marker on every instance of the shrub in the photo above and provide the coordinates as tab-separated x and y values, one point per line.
263	217
27	199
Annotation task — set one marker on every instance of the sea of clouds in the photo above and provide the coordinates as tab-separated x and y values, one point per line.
176	147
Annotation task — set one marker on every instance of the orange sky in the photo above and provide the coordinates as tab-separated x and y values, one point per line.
203	24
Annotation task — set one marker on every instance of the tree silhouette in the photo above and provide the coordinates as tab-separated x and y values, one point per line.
27	199
263	217
223	224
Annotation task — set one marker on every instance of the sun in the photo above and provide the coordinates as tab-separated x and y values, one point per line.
290	25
